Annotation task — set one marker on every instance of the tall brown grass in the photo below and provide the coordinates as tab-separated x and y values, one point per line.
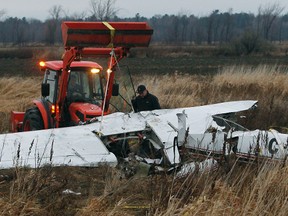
16	94
246	189
267	84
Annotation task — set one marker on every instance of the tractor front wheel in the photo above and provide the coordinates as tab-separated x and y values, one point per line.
32	120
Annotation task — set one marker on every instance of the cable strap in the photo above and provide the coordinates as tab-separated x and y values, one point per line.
112	33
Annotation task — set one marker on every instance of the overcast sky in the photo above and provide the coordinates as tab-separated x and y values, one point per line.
128	8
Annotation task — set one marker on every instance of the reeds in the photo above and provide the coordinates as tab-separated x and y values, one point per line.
267	84
16	94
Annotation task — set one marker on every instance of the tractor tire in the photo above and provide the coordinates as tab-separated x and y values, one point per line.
32	120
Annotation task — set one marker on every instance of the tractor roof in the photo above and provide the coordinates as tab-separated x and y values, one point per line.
58	65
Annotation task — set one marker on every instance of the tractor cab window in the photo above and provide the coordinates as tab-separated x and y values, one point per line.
84	86
74	87
51	79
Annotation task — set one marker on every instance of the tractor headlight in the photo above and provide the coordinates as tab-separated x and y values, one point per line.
42	65
95	70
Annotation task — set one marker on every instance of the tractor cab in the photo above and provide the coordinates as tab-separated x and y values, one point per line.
84	95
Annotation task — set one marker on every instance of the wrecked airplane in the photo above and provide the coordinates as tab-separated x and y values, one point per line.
156	139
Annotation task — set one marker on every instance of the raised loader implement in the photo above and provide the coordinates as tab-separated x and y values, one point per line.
73	90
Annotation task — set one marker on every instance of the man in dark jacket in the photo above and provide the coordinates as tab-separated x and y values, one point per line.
145	101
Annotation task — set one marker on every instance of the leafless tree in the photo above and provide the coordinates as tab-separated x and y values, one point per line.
77	15
226	31
103	9
281	22
183	19
211	23
2	34
55	12
2	13
266	17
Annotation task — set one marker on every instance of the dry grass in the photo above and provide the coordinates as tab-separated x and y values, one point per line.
267	84
261	193
247	189
16	94
231	83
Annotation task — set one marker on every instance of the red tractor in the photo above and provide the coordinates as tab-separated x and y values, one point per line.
73	90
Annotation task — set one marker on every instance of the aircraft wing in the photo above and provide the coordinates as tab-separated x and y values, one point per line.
73	146
199	118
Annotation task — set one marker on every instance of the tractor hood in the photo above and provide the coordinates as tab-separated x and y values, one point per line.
83	111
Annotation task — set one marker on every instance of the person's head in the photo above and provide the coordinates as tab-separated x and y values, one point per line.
142	91
72	80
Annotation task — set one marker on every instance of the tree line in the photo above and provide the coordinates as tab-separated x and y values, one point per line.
245	31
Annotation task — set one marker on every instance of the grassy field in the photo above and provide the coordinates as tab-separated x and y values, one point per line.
245	189
156	60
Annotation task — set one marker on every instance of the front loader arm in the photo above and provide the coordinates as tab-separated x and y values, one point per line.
69	56
115	57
